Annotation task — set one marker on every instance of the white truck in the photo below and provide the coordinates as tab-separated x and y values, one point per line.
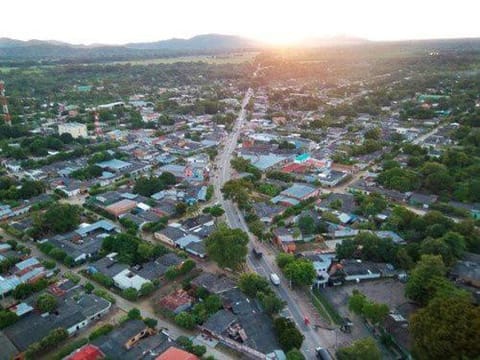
274	279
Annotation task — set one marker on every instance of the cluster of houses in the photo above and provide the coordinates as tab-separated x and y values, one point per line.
189	234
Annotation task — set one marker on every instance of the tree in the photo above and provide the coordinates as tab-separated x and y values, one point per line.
426	278
251	284
216	211
447	328
271	303
306	225
61	218
147	289
7	318
185	320
345	249
375	312
134	314
356	302
46	303
212	304
151	323
287	333
295	354
180	209
228	247
284	259
130	294
300	272
363	349
89	287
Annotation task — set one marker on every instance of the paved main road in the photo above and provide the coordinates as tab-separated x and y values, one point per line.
266	265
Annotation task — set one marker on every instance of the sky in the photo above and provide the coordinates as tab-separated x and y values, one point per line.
271	21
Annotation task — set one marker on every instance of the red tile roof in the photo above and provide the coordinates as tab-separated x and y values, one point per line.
176	354
87	352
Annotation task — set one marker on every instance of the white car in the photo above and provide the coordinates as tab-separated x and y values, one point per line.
274	279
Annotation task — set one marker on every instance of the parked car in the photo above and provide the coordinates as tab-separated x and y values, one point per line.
323	354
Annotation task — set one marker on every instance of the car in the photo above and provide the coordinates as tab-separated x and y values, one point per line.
275	279
323	354
258	254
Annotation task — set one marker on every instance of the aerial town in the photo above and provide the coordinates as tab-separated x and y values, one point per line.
319	204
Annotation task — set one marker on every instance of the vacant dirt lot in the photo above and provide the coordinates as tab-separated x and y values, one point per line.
389	291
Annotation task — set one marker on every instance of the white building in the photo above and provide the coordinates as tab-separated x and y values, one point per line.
74	128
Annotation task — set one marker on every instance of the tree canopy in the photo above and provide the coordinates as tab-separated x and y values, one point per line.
228	247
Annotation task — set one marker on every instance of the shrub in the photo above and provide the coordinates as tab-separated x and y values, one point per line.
100	331
130	294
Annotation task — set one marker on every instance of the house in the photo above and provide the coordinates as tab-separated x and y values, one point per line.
473	209
87	352
192	224
336	201
174	353
153	270
321	263
423	200
197	249
331	178
133	340
169	235
213	283
357	270
121	207
187	239
300	192
177	301
467	271
266	213
76	309
245	323
128	279
285	239
107	266
396	324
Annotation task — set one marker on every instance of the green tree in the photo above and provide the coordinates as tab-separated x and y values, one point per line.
424	279
295	354
363	349
306	225
7	318
284	259
251	284
185	320
287	333
134	314
151	323
216	211
130	294
46	303
356	302
447	328
61	218
212	304
271	303
300	272
228	247
89	287
375	312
